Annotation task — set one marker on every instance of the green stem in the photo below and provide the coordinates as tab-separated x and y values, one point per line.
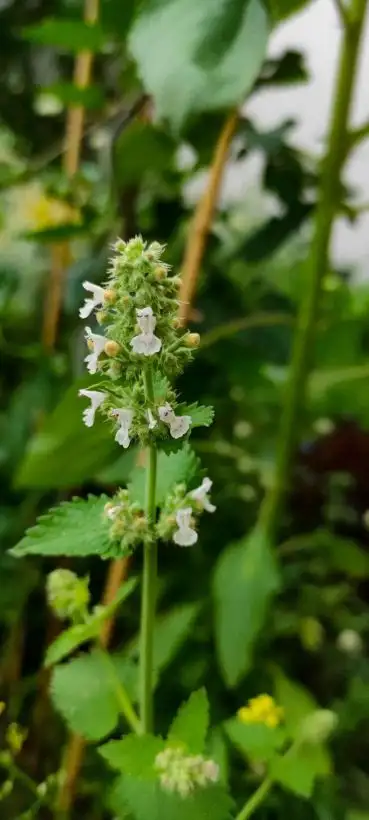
317	265
255	800
149	585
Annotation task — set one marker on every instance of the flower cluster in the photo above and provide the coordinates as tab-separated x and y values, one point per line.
178	516
67	595
141	348
129	525
183	774
261	709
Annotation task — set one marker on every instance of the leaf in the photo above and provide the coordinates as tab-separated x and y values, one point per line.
68	35
48	463
76	528
275	232
207	72
245	579
79	634
141	150
289	68
298	770
70	94
191	723
201	415
280	9
134	755
217	750
342	554
258	741
147	800
296	701
172	469
84	693
170	631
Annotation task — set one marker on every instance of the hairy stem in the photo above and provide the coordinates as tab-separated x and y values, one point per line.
149	586
255	800
317	264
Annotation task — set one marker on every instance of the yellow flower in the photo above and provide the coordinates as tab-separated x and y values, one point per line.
2	706
261	709
15	737
47	212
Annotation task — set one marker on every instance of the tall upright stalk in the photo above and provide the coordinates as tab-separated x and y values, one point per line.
148	585
317	264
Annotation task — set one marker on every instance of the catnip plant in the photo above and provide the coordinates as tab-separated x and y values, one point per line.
133	362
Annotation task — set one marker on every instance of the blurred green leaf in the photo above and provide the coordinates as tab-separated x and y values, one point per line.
142	149
256	740
296	701
83	691
134	755
48	462
190	724
79	634
299	769
68	35
148	800
245	579
280	9
72	95
177	32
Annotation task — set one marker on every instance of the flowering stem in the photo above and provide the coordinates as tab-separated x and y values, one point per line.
149	584
255	800
317	263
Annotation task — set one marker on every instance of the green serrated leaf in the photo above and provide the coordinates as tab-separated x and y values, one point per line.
148	800
245	579
69	35
77	635
191	723
172	469
256	740
134	755
177	33
298	770
201	415
75	528
297	702
84	693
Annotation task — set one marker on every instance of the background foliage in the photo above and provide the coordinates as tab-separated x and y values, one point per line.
298	629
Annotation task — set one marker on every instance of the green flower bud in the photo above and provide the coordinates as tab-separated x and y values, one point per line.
68	596
317	727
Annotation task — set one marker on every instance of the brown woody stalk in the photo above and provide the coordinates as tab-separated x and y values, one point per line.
201	223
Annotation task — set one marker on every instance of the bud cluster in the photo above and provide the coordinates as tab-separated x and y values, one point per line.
129	525
183	774
67	595
142	342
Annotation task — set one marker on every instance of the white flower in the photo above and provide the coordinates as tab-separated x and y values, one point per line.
201	495
178	425
146	343
185	536
96	397
125	420
98	343
91	304
151	420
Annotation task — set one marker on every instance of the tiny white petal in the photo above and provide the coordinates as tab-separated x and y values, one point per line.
151	420
146	320
125	420
146	344
98	347
166	413
180	426
201	495
185	536
96	300
96	397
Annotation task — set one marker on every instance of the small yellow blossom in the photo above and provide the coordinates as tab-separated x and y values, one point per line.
2	706
261	709
48	212
15	737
